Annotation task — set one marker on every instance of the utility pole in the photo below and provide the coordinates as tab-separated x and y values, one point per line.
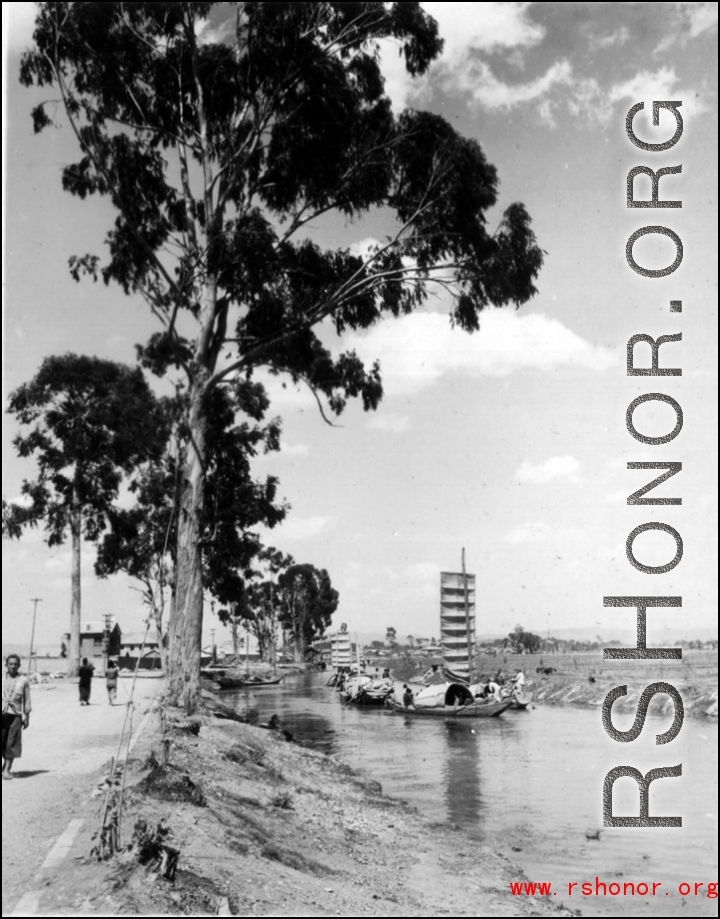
34	600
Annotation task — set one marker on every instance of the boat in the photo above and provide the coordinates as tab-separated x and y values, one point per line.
448	693
473	710
227	679
361	689
520	699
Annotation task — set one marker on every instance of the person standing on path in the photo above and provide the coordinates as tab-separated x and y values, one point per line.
16	708
111	681
85	672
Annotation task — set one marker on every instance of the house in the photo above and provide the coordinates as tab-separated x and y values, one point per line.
142	646
134	641
93	636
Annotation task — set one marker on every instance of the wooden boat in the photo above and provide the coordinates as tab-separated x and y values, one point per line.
521	699
471	710
234	682
365	690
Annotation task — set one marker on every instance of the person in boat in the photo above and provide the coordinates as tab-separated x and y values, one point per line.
386	673
408	697
519	680
433	676
495	689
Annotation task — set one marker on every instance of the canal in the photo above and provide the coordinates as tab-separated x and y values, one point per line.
529	784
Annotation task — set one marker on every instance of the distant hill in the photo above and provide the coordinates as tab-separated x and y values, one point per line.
661	636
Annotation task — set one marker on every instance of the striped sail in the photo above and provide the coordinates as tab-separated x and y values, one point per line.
453	622
341	650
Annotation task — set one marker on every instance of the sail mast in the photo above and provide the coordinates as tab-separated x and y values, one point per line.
467	621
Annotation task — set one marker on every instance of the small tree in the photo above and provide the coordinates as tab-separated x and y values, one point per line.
307	601
261	600
91	422
391	636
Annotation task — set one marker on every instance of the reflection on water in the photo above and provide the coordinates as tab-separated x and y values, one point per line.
461	775
530	784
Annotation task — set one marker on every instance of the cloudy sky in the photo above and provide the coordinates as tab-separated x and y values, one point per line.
510	442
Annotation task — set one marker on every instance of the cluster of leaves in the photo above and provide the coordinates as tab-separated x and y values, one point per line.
306	602
143	539
90	423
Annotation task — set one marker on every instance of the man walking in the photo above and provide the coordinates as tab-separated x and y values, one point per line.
85	673
16	709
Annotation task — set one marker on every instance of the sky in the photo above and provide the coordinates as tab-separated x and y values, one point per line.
509	443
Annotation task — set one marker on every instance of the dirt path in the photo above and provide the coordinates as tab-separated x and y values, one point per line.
64	746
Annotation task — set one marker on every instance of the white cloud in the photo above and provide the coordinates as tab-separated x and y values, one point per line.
398	424
467	28
477	78
530	532
21	500
209	34
597	103
699	16
555	469
300	528
618	37
417	351
364	248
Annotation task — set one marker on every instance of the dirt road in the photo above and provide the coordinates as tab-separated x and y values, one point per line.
47	805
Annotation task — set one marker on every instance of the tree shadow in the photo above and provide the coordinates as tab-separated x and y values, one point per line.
29	773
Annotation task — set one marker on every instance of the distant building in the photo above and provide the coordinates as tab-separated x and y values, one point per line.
92	637
133	642
140	649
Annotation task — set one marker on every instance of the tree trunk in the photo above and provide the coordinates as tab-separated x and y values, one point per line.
76	537
187	619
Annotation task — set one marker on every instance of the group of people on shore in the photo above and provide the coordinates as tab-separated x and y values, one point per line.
17	703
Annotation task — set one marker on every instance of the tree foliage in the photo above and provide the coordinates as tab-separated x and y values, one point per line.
142	539
217	155
88	422
306	602
522	641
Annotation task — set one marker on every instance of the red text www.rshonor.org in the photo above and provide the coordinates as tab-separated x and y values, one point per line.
598	888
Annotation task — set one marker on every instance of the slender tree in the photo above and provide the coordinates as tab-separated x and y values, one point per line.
260	608
306	602
218	155
142	540
90	422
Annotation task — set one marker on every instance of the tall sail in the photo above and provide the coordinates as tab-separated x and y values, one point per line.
454	622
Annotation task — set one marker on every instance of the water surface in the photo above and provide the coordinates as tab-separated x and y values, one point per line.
529	784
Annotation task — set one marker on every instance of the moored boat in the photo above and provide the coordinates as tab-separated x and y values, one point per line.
365	690
448	700
477	709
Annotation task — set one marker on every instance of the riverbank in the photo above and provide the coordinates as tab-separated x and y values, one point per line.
265	827
584	679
